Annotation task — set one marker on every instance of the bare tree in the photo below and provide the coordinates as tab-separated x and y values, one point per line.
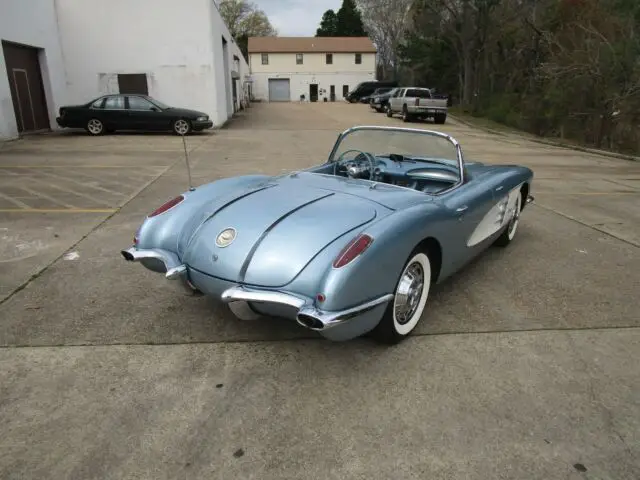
244	20
386	22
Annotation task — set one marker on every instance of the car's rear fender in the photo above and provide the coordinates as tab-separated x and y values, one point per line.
164	230
376	271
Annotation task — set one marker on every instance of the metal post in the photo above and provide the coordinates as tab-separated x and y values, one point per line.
186	159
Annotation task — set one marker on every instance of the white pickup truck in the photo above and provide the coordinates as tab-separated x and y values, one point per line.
414	102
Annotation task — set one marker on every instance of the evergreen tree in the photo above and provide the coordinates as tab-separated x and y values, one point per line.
349	21
346	23
328	25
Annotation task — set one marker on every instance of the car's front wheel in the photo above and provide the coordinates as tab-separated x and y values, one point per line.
410	298
95	127
181	127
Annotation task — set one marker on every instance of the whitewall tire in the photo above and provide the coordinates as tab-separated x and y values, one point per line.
243	311
410	299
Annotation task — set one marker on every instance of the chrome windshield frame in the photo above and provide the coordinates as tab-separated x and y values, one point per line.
433	133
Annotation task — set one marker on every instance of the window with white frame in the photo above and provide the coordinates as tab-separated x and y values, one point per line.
358	58
265	59
299	59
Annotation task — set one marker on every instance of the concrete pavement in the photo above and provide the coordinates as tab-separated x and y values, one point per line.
524	367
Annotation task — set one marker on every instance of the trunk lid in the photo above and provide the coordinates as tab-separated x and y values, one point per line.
278	231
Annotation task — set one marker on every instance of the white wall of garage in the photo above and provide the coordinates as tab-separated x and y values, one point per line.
32	23
299	83
87	43
177	44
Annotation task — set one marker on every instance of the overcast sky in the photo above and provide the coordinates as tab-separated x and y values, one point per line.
296	18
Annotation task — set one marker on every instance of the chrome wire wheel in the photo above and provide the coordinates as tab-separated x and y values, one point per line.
515	218
411	294
181	127
95	127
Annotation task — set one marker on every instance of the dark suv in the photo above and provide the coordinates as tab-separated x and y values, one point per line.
365	89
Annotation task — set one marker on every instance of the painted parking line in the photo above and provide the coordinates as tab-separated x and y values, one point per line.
58	210
83	166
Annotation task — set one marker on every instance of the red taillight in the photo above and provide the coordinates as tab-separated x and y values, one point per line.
354	248
166	206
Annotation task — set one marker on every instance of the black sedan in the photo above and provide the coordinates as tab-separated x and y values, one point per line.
131	112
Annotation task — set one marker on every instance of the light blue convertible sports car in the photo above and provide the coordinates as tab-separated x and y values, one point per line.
348	247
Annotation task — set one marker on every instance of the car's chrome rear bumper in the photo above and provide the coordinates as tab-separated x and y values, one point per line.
161	261
307	315
304	308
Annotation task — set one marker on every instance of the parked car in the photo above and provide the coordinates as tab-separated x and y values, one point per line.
349	246
377	91
379	101
109	113
415	102
367	88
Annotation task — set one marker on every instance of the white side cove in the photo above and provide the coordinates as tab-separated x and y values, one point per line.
496	218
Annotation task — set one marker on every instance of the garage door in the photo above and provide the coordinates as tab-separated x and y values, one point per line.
279	90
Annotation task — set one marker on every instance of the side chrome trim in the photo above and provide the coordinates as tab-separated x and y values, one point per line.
308	315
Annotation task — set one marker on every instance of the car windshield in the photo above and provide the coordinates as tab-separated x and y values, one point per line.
158	103
398	143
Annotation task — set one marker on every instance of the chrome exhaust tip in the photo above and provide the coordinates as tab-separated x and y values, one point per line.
310	322
128	256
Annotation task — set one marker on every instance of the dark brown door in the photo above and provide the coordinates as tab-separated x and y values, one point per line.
313	92
133	83
25	83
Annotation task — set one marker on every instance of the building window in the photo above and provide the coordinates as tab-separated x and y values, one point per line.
329	58
358	58
298	59
265	59
345	90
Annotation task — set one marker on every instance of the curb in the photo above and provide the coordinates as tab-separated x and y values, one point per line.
552	143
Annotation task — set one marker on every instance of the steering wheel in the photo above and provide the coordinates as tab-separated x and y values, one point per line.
370	158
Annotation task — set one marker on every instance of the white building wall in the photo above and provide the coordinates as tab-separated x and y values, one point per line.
102	39
177	44
313	63
314	69
31	23
299	83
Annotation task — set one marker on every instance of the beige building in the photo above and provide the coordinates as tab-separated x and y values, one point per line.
284	68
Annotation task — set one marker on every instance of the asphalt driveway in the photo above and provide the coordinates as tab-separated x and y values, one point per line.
525	367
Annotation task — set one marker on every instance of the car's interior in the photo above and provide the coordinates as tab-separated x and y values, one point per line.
425	175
